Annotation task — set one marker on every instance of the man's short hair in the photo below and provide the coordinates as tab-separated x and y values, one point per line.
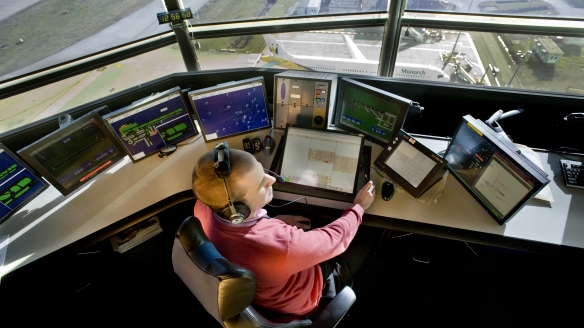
209	188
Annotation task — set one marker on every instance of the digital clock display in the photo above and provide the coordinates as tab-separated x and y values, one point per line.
174	16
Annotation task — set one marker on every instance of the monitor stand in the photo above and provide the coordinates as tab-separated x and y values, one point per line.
166	151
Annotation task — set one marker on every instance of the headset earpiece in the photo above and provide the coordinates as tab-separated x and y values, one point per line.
234	212
221	162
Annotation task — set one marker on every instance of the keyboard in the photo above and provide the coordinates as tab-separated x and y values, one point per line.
573	173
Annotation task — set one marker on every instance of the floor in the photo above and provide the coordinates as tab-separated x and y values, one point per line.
411	280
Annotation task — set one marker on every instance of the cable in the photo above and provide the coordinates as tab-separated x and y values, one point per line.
557	151
381	175
297	199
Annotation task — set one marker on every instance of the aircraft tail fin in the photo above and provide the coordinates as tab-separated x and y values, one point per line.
353	50
275	47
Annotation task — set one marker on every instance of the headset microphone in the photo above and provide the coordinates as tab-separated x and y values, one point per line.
279	178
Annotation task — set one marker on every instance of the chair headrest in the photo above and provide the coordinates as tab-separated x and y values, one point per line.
191	234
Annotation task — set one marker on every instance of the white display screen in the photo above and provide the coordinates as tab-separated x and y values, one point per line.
410	163
321	159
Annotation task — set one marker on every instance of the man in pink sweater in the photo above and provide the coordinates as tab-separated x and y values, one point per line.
294	266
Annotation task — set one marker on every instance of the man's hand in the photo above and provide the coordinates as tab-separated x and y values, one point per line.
295	220
366	195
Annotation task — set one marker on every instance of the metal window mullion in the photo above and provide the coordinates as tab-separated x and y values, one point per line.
390	43
182	37
495	27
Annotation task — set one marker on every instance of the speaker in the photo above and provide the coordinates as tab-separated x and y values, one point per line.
234	212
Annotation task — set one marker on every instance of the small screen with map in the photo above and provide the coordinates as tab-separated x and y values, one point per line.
73	155
376	113
19	184
154	122
231	108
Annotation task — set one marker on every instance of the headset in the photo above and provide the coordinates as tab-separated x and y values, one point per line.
235	212
238	211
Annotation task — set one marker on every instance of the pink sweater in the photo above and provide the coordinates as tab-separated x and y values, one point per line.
283	258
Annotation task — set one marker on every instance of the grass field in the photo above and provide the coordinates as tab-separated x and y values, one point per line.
223	10
41	102
52	25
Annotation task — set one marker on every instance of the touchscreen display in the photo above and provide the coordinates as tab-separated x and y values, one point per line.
410	163
321	159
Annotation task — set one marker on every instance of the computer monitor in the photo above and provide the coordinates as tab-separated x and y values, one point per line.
376	113
231	108
152	123
73	155
499	178
19	184
411	164
320	163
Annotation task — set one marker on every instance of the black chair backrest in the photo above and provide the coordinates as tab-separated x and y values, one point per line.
223	288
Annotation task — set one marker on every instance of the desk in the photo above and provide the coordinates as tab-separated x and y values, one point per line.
52	221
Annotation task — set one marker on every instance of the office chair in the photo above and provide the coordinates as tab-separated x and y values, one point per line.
226	290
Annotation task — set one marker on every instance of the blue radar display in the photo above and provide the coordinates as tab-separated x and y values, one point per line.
149	124
231	108
18	184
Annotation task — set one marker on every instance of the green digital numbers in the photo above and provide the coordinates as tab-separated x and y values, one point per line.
174	16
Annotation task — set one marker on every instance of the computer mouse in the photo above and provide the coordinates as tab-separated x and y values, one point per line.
387	190
269	145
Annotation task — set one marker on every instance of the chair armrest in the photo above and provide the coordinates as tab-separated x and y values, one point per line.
252	318
332	314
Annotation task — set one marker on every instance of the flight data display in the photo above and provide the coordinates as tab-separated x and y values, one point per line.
321	159
371	111
148	125
73	155
18	184
410	163
488	172
231	109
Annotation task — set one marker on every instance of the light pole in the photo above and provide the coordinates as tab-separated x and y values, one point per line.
493	69
452	52
523	59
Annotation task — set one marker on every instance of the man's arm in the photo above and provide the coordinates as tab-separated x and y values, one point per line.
295	220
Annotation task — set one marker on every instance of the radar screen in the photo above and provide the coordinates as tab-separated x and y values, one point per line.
149	124
73	155
231	108
19	184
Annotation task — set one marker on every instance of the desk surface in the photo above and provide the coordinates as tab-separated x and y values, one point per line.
52	221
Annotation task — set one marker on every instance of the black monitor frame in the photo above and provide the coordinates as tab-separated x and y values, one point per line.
361	175
17	187
504	156
426	155
143	139
27	153
383	99
208	137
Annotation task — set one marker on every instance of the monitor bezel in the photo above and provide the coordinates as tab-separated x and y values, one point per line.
26	152
490	135
142	102
224	86
429	179
27	167
316	191
404	104
330	80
